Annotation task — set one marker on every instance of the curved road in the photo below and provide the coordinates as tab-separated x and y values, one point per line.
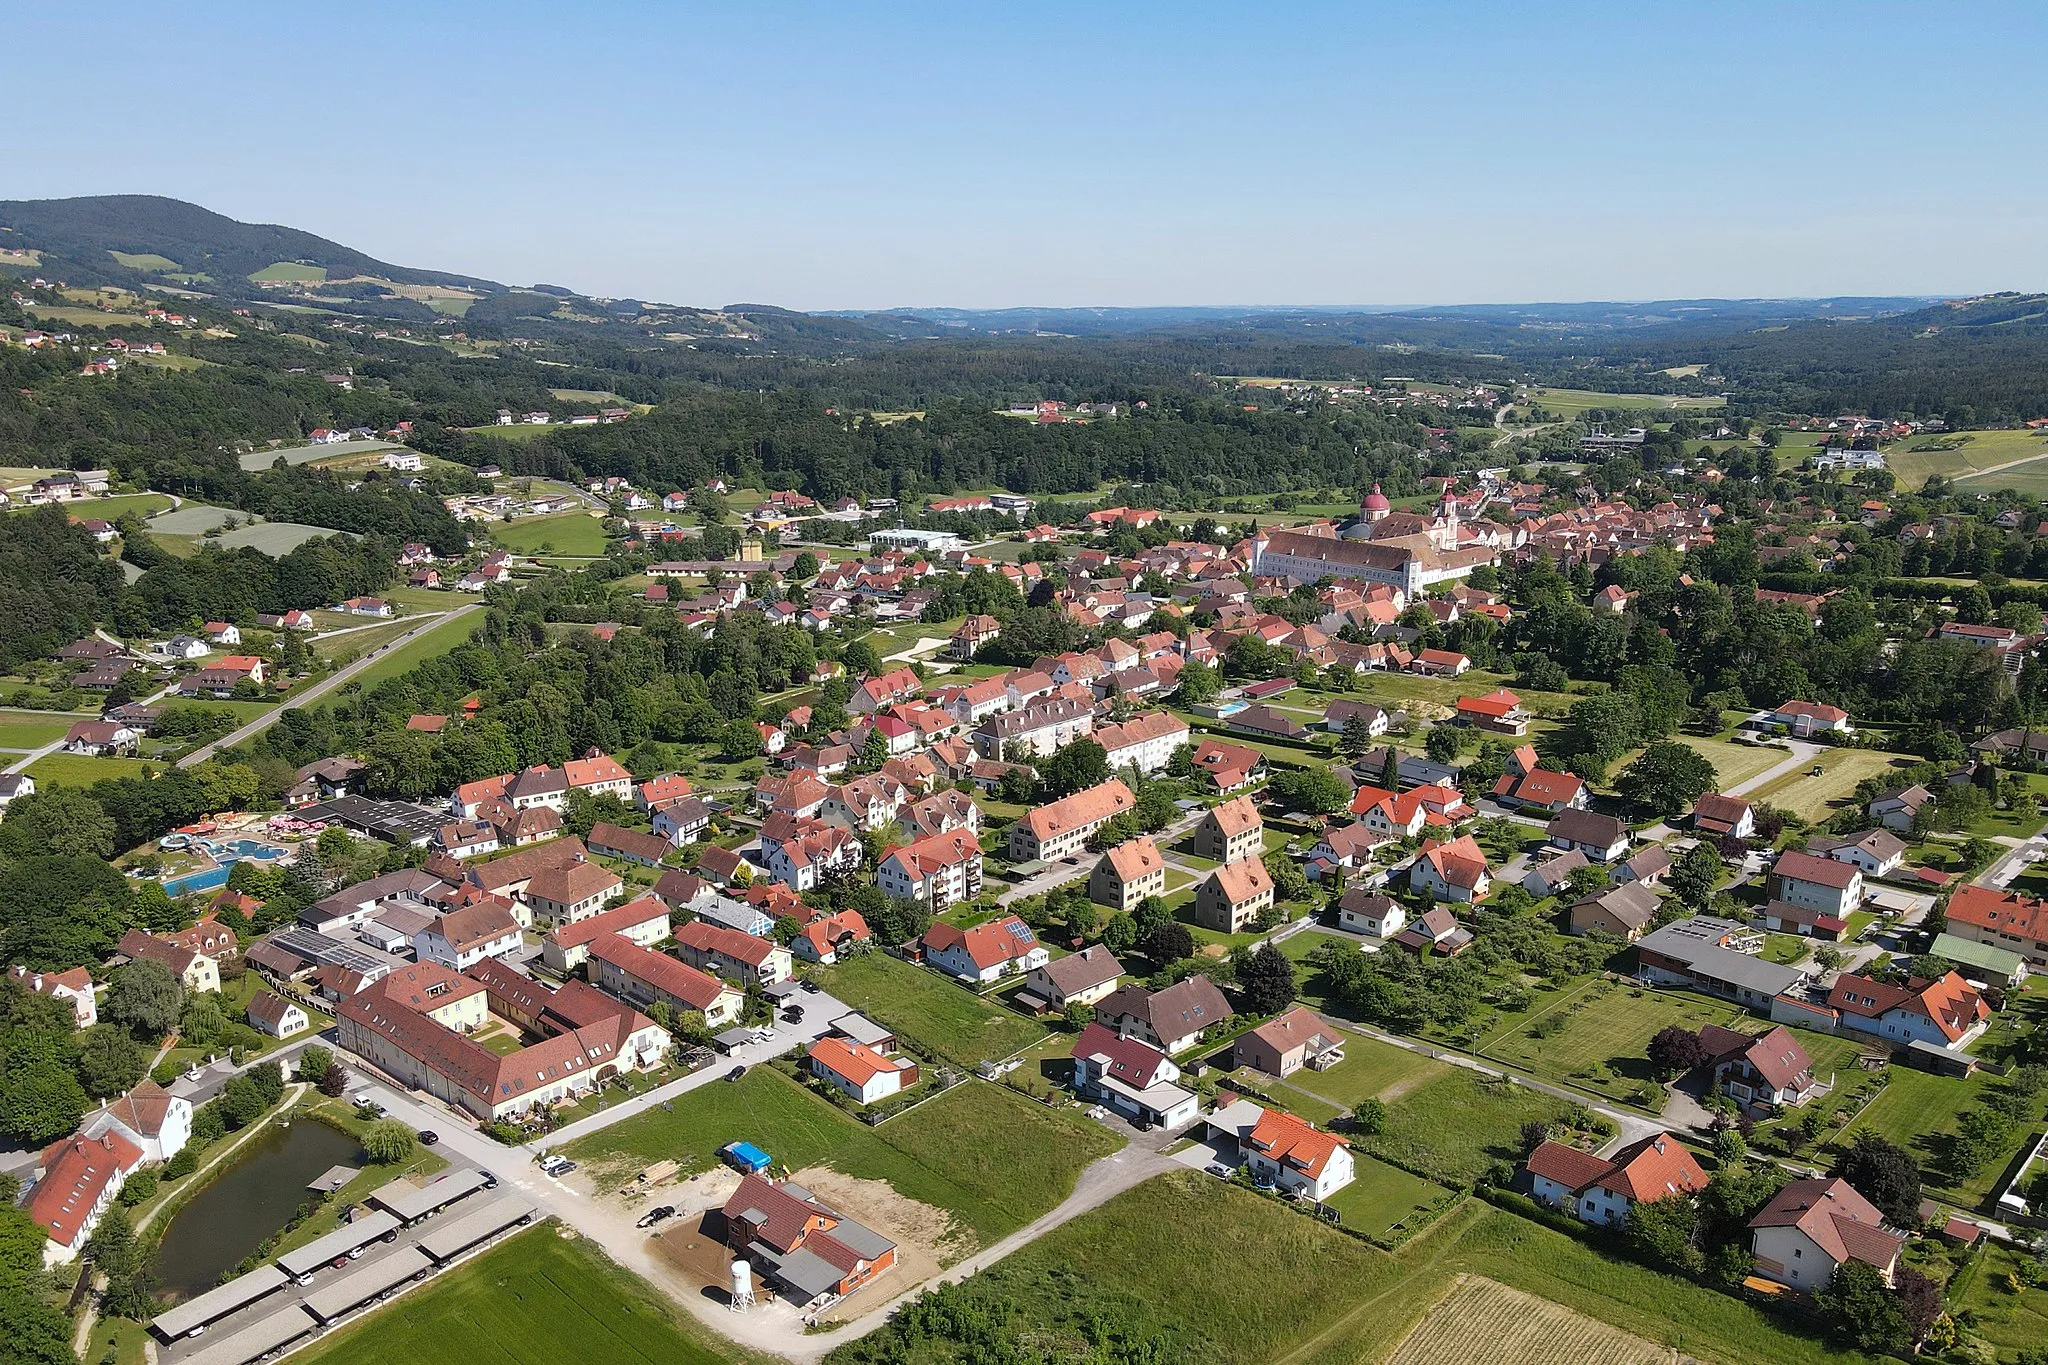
321	688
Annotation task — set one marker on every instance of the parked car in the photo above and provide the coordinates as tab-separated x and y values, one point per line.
808	985
793	1015
428	1137
736	1073
656	1215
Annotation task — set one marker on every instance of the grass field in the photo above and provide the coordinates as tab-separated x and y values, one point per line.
566	533
1383	1197
144	260
77	770
108	509
1260	1282
992	1159
1976	451
358	642
20	732
1600	1033
536	1299
1405	689
921	1005
518	431
1569	403
290	272
1483	1322
1816	798
1370	1068
1918	1112
2008	1320
1733	763
438	640
274	538
1454	1126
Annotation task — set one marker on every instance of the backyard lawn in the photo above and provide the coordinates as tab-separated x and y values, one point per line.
535	1299
992	1159
1383	1197
924	1007
1595	1038
1370	1068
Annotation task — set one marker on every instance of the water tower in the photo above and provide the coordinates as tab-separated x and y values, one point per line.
742	1285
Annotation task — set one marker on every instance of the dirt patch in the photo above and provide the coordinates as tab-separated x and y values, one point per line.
693	1248
1406	1084
925	1237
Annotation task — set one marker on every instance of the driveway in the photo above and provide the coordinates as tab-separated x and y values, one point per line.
1802	753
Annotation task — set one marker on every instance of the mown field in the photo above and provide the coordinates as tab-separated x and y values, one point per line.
438	640
1975	452
1483	1322
536	1299
1595	1038
1569	403
992	1159
1455	1125
79	770
564	533
1816	798
920	1004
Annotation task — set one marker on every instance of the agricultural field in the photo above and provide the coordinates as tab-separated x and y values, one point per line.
1569	403
518	431
22	731
360	638
274	538
79	770
120	505
1483	1322
195	519
290	272
1594	1038
1814	799
1973	452
256	461
991	1159
1733	763
564	533
922	1005
535	1299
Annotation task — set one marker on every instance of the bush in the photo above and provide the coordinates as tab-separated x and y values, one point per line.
387	1141
138	1188
183	1164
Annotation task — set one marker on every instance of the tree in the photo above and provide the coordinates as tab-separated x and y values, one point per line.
145	998
1265	980
1370	1117
1079	1016
115	1254
1884	1174
740	740
1120	934
1445	743
312	1063
1290	883
1198	683
388	1141
1919	1300
109	1061
804	567
1170	942
1695	874
1078	766
40	1097
1667	778
1357	736
860	660
1666	1230
1314	791
874	751
1390	770
1676	1050
1858	1307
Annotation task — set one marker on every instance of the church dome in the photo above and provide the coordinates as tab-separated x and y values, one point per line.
1375	503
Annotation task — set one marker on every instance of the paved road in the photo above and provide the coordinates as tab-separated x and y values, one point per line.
320	689
1802	753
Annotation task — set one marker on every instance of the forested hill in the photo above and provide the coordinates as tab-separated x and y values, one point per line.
78	237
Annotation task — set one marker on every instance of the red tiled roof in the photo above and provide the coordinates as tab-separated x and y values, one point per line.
1294	1141
76	1170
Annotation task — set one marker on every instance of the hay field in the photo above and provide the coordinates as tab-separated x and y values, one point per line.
1481	1322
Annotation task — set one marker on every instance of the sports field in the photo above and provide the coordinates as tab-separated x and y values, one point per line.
922	1005
1815	798
535	1299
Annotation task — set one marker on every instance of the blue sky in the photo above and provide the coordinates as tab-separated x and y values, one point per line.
865	155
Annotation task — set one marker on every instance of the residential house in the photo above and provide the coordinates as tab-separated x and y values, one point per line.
1132	1077
74	986
1804	719
828	938
1553	875
1435	930
1297	1157
196	971
1765	1072
1716	815
598	774
1231	832
1146	742
1284	1045
971	635
1896	807
1228	767
804	852
937	870
1648	865
76	1179
100	737
273	1014
1125	875
1234	896
563	895
857	1071
1602	838
1172	1019
732	954
1451	870
1499	712
643	922
1080	978
1829	889
1624	911
462	938
683	821
2001	919
986	952
634	846
1814	1227
157	1122
1540	789
1602	1190
806	1249
1062	827
1947	1013
1372	913
644	977
1876	852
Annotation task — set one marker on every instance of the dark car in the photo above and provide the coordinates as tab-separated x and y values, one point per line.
793	1015
428	1137
490	1180
736	1073
809	985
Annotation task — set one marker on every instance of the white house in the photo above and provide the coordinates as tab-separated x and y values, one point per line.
462	938
1813	1228
1132	1077
1601	1190
1296	1156
986	952
277	1016
1371	913
859	1071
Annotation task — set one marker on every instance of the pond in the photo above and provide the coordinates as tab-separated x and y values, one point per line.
246	1204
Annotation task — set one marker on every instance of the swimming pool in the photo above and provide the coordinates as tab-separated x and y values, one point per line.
209	880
